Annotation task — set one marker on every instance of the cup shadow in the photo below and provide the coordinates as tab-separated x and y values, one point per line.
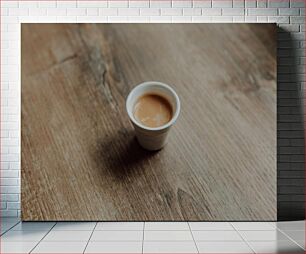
121	156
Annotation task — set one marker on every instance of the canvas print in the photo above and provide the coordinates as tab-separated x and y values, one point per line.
148	122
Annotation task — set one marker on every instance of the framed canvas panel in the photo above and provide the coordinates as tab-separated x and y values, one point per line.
80	158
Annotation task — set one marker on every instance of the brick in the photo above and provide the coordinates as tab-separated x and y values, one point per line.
4	134
262	12
262	3
9	141
291	150
138	19
10	157
290	134
262	19
238	3
9	4
286	61
285	52
222	19
76	11
278	3
160	19
289	28
10	189
139	4
64	19
233	12
9	125
202	3
47	4
9	197
291	69
4	150
222	3
291	182
150	12
283	166
290	118
250	3
118	4
4	165
250	19
290	126
211	11
96	19
9	213
283	142
192	11
92	11
66	4
9	173
4	12
9	181
239	19
297	3
38	11
3	205
57	12
92	4
117	19
201	19
9	20
279	19
172	11
182	3
14	149
297	20
181	19
108	11
291	77
160	4
297	166
18	12
128	12
287	174
13	205
14	134
289	11
291	190
290	198
14	165
297	142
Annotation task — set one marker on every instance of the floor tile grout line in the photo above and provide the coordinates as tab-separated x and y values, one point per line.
10	228
290	238
143	232
42	238
90	237
193	237
244	240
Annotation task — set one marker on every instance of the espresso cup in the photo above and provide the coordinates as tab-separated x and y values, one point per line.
152	138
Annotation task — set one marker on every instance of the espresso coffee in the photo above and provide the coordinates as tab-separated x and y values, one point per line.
153	110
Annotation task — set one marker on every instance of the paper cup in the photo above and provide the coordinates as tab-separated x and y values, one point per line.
152	138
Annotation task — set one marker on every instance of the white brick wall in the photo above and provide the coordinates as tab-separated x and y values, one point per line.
289	14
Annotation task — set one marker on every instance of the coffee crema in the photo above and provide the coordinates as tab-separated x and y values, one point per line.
153	110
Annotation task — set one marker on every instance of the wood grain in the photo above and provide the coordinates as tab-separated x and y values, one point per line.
80	160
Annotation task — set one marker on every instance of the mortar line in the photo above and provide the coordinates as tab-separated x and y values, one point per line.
193	237
43	238
90	237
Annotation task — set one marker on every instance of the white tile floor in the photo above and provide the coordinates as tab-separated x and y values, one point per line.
152	237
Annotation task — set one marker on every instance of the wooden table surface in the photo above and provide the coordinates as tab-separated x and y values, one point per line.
80	160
